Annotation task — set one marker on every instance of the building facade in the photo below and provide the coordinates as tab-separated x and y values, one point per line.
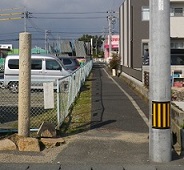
134	31
114	46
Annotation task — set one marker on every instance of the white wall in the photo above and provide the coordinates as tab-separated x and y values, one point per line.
177	27
176	22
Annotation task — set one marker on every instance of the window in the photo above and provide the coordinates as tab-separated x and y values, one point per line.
52	65
176	12
177	45
66	61
172	45
145	14
145	53
36	64
13	64
177	59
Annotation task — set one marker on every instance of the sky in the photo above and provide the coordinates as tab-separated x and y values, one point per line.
62	19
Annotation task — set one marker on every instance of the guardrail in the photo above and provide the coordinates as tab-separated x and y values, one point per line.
63	93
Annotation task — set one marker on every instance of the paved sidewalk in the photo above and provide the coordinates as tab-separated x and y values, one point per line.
118	135
118	138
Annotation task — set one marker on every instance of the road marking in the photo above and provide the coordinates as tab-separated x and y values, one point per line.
141	113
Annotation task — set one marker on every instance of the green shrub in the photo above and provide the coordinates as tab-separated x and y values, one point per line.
114	62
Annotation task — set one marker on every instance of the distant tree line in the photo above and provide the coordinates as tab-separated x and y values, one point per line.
97	43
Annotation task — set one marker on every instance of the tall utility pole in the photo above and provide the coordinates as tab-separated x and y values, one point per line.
160	84
47	40
111	20
96	46
92	47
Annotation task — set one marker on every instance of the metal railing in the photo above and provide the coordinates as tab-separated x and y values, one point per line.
65	91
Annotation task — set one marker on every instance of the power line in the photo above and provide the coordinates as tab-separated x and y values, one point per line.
10	9
35	26
8	19
51	13
4	34
68	17
83	32
11	14
27	16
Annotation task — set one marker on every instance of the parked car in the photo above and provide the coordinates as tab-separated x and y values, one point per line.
43	68
70	62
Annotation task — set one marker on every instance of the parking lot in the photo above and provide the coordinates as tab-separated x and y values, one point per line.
9	109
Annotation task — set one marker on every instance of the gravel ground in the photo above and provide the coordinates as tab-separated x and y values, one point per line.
45	156
50	155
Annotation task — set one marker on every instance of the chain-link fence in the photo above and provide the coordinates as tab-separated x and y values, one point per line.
2	64
62	95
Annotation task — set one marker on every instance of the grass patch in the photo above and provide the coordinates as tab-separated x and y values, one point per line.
80	117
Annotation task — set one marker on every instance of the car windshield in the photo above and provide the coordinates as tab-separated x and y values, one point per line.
63	65
66	61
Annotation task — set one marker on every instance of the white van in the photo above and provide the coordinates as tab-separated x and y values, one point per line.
43	68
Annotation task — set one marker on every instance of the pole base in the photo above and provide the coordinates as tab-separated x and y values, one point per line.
160	145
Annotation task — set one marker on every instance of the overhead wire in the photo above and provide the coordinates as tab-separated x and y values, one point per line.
63	32
68	18
48	15
10	9
35	26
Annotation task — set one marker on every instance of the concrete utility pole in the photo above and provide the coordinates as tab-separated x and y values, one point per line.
111	19
121	45
160	84
92	47
110	38
24	84
46	41
47	32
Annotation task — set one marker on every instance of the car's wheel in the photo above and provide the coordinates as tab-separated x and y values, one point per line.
13	87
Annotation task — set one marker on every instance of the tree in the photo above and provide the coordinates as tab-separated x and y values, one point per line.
97	42
86	38
114	62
